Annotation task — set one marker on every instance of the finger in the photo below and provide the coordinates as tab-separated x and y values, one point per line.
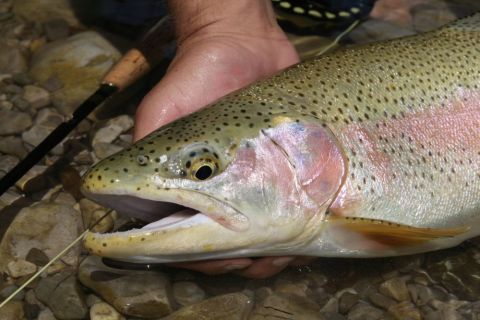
265	267
215	266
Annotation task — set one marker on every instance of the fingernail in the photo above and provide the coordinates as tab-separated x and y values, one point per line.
281	262
232	267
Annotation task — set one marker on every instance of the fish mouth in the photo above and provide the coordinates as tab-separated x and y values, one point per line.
179	226
157	213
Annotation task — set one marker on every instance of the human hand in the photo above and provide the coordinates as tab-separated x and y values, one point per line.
222	46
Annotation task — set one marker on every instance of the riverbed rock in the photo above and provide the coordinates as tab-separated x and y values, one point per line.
17	121
187	293
45	122
46	10
13	146
458	270
37	97
232	306
12	311
79	62
13	58
135	293
7	162
277	305
363	311
92	212
104	311
112	129
395	288
33	180
49	227
56	29
104	149
62	293
20	268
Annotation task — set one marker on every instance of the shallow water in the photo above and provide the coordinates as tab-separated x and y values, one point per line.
39	85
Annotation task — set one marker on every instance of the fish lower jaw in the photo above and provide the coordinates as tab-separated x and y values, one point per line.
170	235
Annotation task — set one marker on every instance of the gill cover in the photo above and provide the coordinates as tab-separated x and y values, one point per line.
314	154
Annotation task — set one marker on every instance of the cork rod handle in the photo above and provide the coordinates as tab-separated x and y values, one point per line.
141	59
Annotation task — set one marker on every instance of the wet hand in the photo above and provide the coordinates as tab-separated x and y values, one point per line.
214	58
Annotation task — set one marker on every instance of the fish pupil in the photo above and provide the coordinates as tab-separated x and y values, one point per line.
204	172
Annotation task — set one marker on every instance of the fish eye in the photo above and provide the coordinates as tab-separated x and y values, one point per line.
203	170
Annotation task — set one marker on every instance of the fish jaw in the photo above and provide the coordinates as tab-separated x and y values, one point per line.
251	208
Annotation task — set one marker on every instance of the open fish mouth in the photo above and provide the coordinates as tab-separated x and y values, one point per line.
197	225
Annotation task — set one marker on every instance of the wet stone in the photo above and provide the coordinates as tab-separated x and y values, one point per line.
33	180
420	294
5	78
363	311
9	290
56	29
83	157
103	149
49	117
37	257
46	314
288	286
20	103
134	293
12	58
62	294
92	212
7	163
234	306
381	300
6	105
104	311
279	305
92	299
31	310
346	301
405	310
13	146
22	79
112	129
9	197
46	10
17	122
187	293
88	56
19	268
331	306
52	84
48	227
12	311
12	89
457	270
30	298
37	97
395	288
36	134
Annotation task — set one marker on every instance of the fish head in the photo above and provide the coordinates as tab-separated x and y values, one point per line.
227	181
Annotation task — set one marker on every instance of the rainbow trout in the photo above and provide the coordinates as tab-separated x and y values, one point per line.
369	151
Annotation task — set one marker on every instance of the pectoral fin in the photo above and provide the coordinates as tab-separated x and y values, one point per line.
381	234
